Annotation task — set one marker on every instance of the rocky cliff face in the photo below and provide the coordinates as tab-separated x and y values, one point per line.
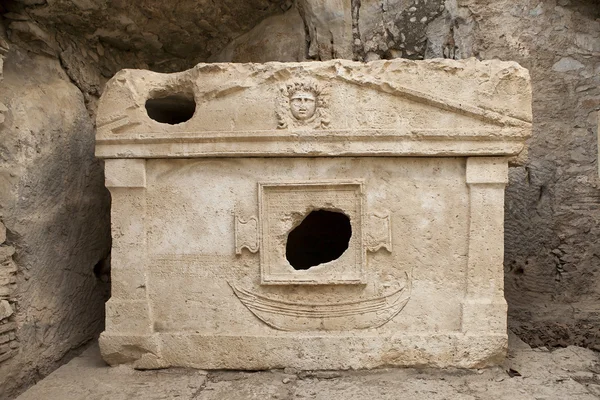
552	209
58	54
55	210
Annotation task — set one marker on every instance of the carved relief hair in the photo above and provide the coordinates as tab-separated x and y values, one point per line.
303	86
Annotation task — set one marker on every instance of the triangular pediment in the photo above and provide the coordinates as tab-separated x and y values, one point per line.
322	108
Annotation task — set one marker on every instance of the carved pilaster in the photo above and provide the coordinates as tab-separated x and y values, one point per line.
486	178
128	309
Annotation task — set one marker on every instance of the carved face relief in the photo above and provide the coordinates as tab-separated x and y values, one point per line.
303	105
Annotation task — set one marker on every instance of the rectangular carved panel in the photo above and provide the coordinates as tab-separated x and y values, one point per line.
284	206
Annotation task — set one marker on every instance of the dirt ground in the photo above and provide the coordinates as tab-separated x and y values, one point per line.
571	373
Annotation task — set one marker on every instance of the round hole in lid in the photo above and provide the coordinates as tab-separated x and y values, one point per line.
172	109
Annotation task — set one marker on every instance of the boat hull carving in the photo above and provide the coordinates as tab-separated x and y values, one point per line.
303	316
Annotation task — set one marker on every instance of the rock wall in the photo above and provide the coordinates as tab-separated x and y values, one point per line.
55	209
8	339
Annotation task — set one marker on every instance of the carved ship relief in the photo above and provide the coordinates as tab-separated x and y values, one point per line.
304	316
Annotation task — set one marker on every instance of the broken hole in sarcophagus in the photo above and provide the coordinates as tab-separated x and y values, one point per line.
321	237
171	109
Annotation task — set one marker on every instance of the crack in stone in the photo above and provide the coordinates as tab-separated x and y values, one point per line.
307	35
358	49
200	389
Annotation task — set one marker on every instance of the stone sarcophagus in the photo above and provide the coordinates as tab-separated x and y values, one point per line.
325	215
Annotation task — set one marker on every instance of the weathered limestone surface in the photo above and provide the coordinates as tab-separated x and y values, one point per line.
53	224
206	272
279	37
153	32
239	109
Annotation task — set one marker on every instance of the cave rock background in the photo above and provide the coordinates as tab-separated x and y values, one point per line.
56	55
